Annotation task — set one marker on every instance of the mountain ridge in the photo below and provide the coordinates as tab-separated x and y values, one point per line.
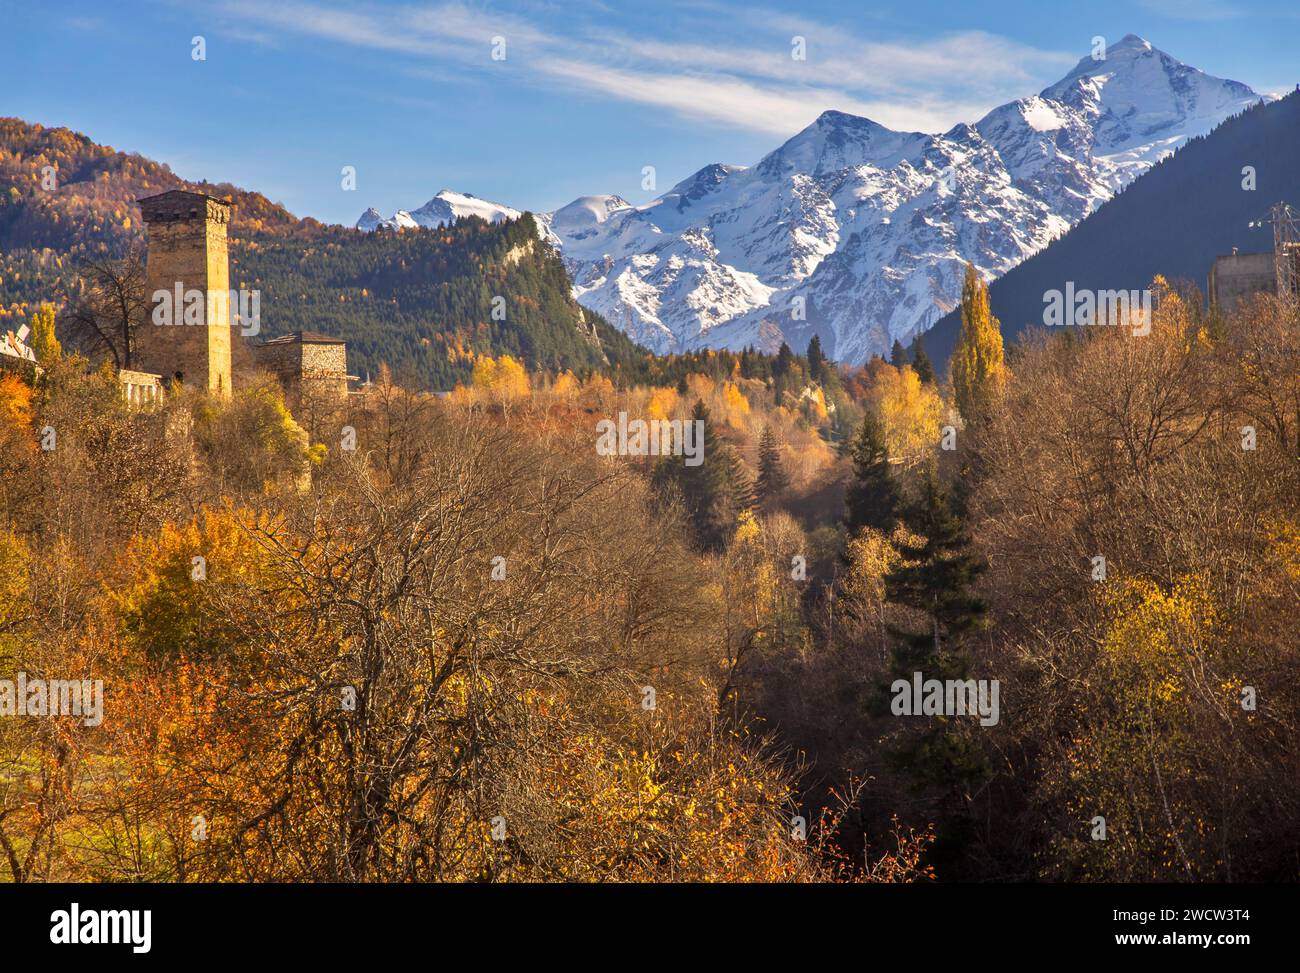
860	234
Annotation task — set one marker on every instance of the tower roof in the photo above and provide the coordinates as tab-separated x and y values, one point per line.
181	204
305	338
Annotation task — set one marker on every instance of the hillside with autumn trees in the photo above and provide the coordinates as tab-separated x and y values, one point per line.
438	632
419	637
420	301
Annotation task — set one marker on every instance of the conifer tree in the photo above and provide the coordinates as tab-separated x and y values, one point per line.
773	480
933	578
818	365
713	493
978	370
872	496
921	362
898	355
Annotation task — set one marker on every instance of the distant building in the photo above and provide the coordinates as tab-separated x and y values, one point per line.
309	365
1238	277
188	254
140	388
15	355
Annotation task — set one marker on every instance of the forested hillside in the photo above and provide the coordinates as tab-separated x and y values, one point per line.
476	647
418	301
427	302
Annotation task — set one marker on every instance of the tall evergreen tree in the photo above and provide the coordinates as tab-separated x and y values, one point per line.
898	355
773	480
921	362
715	492
872	496
934	579
978	370
818	364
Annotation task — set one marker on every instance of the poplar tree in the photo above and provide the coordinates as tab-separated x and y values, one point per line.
978	371
43	342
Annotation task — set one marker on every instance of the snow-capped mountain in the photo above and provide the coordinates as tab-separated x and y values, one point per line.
444	208
859	233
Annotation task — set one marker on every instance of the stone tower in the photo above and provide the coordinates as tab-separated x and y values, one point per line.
187	253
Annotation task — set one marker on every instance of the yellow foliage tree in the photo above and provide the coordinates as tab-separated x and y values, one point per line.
43	343
737	406
662	404
910	411
978	371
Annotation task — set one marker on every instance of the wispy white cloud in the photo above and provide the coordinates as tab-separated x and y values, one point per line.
927	84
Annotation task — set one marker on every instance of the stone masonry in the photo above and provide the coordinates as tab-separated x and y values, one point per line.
187	247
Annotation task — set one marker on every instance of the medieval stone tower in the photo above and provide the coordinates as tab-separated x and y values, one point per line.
187	253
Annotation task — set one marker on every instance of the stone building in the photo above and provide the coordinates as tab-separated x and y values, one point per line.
1238	277
187	257
140	388
191	332
309	365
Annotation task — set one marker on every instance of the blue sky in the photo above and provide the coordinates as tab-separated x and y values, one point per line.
588	93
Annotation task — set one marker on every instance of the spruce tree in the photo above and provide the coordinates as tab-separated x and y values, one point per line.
938	754
978	370
715	492
772	479
898	355
818	365
872	496
934	578
921	362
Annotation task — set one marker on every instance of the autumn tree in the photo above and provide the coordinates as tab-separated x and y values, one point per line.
109	305
43	342
978	372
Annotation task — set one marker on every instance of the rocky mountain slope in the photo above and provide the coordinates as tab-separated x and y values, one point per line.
859	233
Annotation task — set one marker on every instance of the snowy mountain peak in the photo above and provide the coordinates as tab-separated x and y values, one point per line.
370	219
445	207
581	218
703	182
872	227
838	140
